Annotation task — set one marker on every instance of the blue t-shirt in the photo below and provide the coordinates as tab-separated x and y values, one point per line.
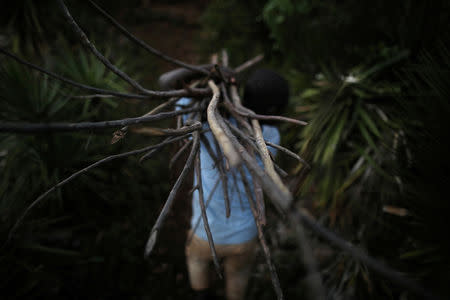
240	226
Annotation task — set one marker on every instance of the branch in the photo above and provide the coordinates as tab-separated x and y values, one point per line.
82	171
288	152
204	215
165	211
67	127
146	46
267	161
219	164
154	94
262	239
194	229
179	153
152	131
378	267
87	44
249	63
281	200
223	140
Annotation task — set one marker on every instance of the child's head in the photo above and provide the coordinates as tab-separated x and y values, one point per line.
266	92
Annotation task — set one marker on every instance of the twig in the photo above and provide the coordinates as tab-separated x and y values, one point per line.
288	152
225	60
267	161
152	131
65	127
82	171
223	140
204	215
179	153
262	239
155	94
194	229
120	134
87	44
249	63
165	211
248	113
146	46
219	164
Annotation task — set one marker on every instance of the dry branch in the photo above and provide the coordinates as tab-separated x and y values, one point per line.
146	46
249	63
82	171
66	127
155	94
198	174
218	132
262	239
165	211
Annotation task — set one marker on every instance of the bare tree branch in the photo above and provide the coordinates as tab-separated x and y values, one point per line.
165	211
262	239
82	171
378	267
205	216
154	94
218	160
249	63
146	46
223	140
66	127
179	153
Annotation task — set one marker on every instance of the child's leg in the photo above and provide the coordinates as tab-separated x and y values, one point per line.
198	259
238	265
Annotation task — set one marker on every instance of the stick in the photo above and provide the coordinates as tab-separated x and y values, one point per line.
67	127
223	140
205	217
80	172
154	94
262	239
144	45
179	153
165	211
249	63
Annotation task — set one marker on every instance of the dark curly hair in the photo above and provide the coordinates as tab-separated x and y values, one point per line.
266	92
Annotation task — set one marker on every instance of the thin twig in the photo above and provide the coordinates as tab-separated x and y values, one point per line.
249	63
205	216
152	131
262	239
88	45
288	152
82	171
248	113
146	46
177	155
120	134
224	57
165	211
218	160
194	229
65	127
155	94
